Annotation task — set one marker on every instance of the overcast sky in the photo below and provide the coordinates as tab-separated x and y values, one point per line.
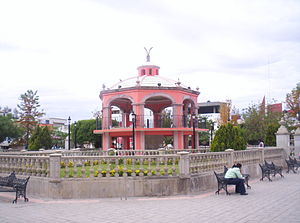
67	49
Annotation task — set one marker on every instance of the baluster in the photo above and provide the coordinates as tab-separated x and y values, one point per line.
108	167
33	167
157	166
174	167
83	168
133	167
8	165
77	166
166	169
141	167
149	167
125	168
92	169
100	168
117	165
37	167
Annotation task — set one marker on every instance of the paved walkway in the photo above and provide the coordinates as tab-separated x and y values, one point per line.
277	201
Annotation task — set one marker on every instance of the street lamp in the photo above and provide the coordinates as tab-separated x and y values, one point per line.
75	134
133	130
211	131
194	130
69	135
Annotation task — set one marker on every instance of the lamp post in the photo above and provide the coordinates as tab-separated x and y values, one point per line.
194	131
133	130
211	131
75	134
69	135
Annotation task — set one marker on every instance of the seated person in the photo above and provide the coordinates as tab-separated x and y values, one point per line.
234	176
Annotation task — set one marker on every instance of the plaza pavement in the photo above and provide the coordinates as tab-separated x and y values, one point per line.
277	201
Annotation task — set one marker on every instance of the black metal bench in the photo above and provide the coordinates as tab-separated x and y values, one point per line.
265	172
295	162
245	175
16	184
222	183
274	169
290	166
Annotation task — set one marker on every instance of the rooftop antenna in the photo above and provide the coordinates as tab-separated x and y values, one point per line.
148	54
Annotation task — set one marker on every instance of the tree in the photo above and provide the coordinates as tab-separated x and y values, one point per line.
40	139
270	138
58	137
29	112
84	132
253	124
166	120
225	109
8	128
260	125
293	102
205	123
229	137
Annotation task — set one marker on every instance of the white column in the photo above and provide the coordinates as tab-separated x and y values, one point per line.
184	164
283	138
297	142
54	166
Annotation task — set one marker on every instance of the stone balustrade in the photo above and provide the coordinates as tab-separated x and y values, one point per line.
106	152
25	165
138	163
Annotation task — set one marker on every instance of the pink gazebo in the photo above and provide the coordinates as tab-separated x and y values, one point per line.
149	108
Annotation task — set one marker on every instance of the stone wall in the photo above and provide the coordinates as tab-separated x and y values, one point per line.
126	186
190	173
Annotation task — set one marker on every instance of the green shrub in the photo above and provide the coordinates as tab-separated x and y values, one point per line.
70	164
95	163
112	173
129	161
229	137
87	163
62	164
121	161
129	172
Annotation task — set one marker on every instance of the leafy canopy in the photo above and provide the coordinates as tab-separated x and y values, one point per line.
229	137
29	111
8	128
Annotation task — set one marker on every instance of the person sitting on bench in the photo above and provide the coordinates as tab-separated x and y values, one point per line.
234	177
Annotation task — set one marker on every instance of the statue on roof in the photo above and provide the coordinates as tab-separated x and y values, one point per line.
148	54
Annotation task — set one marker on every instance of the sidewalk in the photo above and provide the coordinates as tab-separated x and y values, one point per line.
277	201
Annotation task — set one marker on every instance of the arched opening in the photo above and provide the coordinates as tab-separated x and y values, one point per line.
189	120
120	109
158	114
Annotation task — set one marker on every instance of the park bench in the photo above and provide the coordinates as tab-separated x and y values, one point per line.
245	175
222	183
290	166
295	162
274	169
16	184
265	172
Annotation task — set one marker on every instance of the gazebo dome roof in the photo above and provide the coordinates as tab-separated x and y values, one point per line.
148	76
147	81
